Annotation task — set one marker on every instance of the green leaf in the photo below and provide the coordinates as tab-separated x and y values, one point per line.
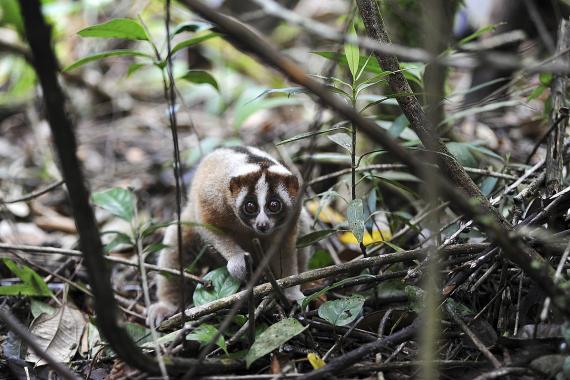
205	333
459	308
222	285
477	110
375	103
416	298
38	307
472	36
272	338
140	334
290	91
117	201
394	286
330	158
398	126
412	71
355	216
117	28
316	295
352	55
120	239
10	15
191	26
313	237
343	140
485	151
151	227
462	153
545	79
32	283
488	185
152	248
200	77
192	41
393	246
134	67
309	134
106	54
536	92
320	259
343	311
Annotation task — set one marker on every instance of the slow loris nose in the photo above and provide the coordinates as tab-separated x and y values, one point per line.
262	226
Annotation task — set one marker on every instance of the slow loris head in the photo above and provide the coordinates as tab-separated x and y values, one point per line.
262	191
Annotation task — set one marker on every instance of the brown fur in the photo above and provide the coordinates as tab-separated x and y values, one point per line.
211	202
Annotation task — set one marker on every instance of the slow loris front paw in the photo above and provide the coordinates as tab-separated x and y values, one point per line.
236	266
158	312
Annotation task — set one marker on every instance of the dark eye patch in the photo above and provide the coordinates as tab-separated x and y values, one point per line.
274	206
247	213
250	207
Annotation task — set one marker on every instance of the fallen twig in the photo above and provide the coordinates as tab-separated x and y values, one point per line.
35	194
476	341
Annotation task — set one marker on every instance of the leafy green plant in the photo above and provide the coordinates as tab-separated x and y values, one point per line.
222	285
32	285
122	203
205	333
129	29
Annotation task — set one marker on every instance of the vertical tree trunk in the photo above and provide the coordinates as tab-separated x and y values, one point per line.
555	146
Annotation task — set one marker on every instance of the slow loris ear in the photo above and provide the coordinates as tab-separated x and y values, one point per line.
235	185
292	184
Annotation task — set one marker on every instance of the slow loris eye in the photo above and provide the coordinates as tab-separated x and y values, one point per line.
274	206
250	208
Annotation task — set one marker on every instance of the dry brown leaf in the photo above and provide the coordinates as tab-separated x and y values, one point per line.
59	334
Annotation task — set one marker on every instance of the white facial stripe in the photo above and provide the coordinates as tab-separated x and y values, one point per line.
261	190
245	169
241	197
279	169
259	152
284	195
262	218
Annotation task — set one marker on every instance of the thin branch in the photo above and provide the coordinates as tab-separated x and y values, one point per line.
250	302
270	276
35	194
112	259
386	167
139	251
170	95
476	341
543	138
